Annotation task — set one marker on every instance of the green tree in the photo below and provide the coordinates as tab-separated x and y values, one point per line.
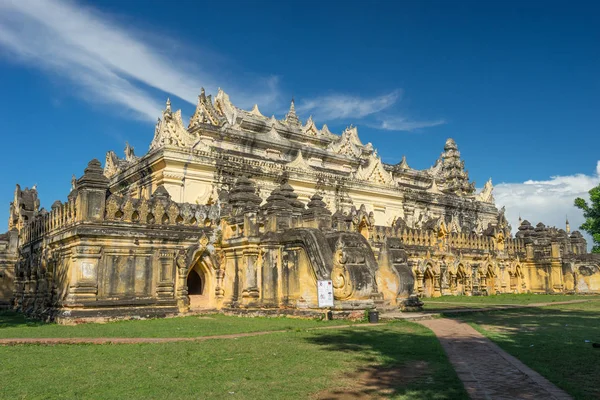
591	213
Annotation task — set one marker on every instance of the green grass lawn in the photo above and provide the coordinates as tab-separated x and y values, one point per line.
13	325
462	302
551	340
296	364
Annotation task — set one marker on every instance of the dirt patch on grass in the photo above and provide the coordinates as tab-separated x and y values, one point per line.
508	329
374	382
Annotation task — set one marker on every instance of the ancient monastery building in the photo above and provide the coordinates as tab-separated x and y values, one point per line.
240	211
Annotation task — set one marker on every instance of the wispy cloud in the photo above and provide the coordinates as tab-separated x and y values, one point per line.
116	63
109	61
405	124
340	106
548	201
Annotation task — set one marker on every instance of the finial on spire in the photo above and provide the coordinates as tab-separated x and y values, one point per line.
168	104
568	227
202	90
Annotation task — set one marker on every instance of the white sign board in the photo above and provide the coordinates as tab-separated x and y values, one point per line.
325	293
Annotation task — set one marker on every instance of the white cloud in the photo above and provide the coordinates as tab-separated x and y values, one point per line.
107	60
548	201
404	124
339	106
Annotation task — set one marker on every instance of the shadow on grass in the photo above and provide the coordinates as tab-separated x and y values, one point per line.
554	341
398	360
11	319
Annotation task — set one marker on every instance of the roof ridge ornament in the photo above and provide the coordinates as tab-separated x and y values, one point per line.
434	188
403	164
256	111
486	193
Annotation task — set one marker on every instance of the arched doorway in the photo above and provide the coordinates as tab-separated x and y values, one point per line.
516	280
199	286
428	283
195	283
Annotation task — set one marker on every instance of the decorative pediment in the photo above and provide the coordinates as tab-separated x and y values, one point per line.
205	112
170	130
348	144
299	163
310	128
434	188
114	165
111	165
273	135
224	107
325	130
375	172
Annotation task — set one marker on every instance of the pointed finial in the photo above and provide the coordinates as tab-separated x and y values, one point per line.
202	90
568	227
291	117
168	104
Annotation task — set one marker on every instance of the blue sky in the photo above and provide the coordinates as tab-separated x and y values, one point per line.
516	84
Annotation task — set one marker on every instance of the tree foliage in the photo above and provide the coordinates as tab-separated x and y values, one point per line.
591	213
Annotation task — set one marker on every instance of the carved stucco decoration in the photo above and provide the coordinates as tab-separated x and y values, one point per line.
225	108
375	172
170	131
348	144
299	163
111	165
310	128
486	193
342	283
205	112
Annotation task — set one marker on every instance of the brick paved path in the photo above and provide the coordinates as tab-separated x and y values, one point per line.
487	371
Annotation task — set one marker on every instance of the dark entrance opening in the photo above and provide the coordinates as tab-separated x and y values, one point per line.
195	283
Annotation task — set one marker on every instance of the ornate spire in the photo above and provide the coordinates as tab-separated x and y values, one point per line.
291	118
568	227
168	108
456	179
